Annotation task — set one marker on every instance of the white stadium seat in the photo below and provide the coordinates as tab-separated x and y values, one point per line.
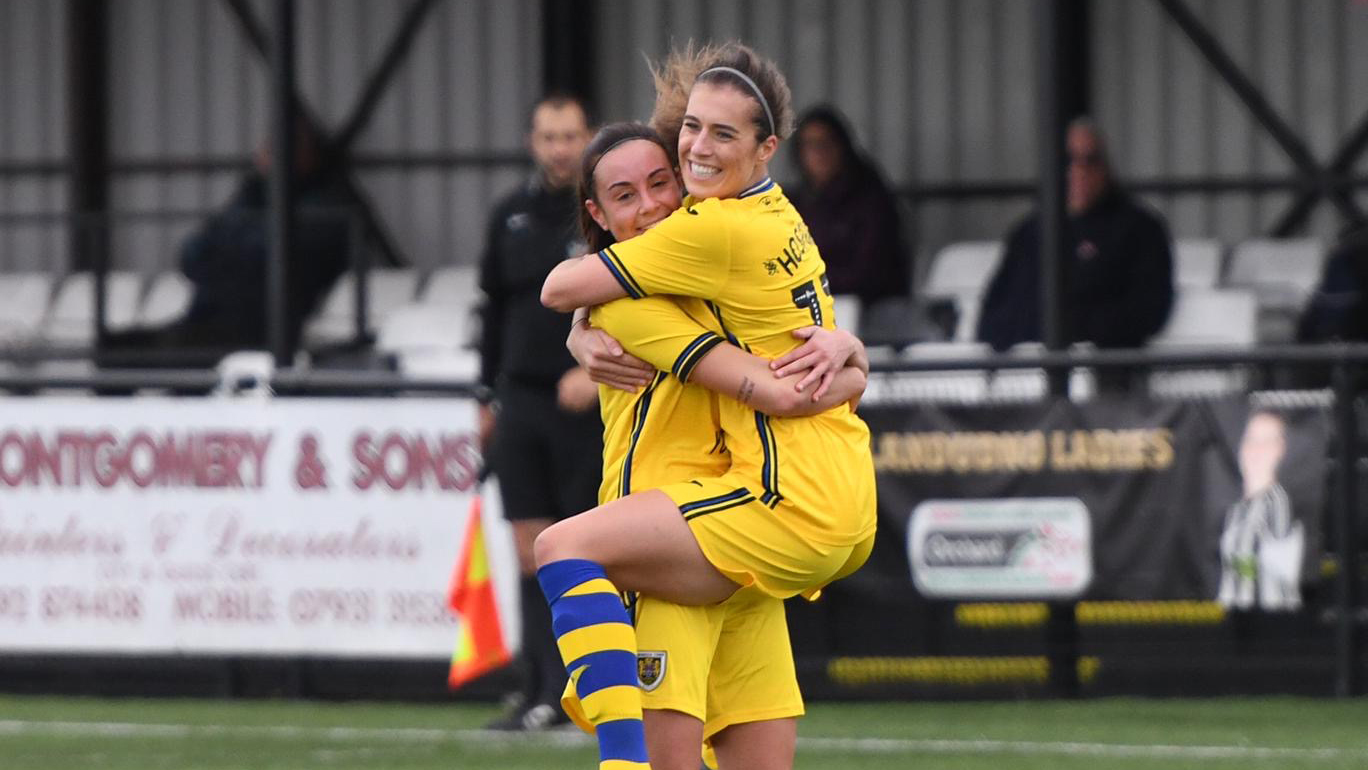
456	285
848	307
963	268
168	297
23	304
1210	317
71	318
335	322
1283	272
422	326
457	288
430	340
961	272
1196	263
1206	318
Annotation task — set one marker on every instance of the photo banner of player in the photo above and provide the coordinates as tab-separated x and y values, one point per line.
1187	500
325	527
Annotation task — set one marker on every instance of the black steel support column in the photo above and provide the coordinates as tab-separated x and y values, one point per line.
87	46
282	182
568	41
1052	120
1061	635
1075	54
1347	634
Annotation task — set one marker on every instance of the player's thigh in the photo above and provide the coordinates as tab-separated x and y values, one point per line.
674	740
764	745
643	544
751	542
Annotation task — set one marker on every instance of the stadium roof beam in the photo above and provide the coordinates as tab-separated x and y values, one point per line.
1314	174
380	77
1341	165
256	36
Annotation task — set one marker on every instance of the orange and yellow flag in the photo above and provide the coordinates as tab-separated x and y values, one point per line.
479	643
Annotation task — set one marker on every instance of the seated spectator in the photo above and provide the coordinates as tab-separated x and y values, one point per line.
1337	311
226	260
1118	277
849	210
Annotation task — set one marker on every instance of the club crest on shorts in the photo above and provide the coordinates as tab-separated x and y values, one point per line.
650	669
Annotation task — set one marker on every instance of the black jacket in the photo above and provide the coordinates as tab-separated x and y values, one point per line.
854	221
1338	310
226	258
1118	287
529	233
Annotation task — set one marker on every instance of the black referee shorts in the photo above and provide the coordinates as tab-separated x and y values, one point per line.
548	461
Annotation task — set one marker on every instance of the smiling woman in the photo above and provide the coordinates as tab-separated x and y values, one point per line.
740	694
795	510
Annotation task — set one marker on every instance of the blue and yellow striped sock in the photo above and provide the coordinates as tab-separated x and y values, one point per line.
598	644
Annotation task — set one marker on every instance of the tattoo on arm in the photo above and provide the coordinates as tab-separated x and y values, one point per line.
743	394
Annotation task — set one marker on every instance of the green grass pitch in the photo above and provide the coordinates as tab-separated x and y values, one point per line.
1126	734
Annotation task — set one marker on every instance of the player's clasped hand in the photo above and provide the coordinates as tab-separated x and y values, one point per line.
605	360
820	355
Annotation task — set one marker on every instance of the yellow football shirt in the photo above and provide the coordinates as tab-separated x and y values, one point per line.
668	431
754	263
726	663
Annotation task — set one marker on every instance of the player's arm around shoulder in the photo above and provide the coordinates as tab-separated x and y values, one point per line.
732	372
580	282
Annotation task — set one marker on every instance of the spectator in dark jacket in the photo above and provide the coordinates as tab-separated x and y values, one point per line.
226	261
1338	311
849	210
1118	277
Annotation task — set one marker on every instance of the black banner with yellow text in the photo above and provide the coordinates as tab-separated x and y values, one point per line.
1186	500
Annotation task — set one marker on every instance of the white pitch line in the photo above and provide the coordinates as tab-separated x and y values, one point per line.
575	738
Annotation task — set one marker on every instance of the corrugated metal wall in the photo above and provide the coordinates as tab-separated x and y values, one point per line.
936	90
1167	113
32	128
940	91
463	87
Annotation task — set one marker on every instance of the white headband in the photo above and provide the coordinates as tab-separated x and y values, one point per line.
769	116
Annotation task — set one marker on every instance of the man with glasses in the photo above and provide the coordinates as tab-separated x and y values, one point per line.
1117	277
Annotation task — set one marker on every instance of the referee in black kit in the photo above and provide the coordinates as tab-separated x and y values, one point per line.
542	437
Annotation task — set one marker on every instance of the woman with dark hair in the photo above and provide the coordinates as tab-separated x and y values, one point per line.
849	209
720	674
797	508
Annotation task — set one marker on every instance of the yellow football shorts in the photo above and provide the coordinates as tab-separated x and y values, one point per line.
749	542
724	664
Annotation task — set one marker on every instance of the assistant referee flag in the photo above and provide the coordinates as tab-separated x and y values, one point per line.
479	642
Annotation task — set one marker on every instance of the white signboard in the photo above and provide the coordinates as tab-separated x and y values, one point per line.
293	527
1032	548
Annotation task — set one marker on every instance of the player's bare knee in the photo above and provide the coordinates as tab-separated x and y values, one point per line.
553	544
543	547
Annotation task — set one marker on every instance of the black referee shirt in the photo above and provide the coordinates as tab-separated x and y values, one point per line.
529	233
